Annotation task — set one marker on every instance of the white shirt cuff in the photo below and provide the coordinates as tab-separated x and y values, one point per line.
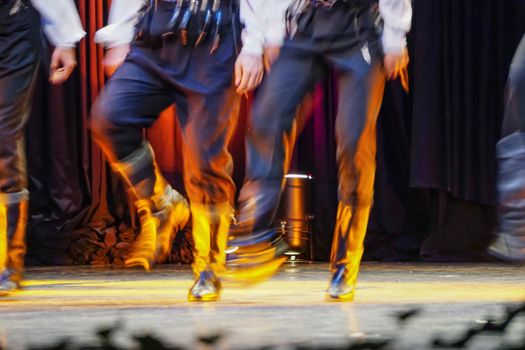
393	40
275	33
114	35
64	40
252	45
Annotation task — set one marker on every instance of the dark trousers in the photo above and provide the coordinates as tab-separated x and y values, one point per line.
155	76
515	100
18	62
326	39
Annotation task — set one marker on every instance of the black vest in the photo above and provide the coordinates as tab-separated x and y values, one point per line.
21	38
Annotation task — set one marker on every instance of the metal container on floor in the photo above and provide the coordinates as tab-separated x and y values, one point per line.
296	216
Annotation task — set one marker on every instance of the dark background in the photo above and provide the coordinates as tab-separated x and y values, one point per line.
435	186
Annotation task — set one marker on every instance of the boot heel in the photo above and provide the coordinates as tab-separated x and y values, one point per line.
143	251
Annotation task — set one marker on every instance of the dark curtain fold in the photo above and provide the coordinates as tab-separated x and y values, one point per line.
64	167
436	164
443	208
460	47
456	122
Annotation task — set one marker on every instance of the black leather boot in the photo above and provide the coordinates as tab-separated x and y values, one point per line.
256	257
344	280
347	251
255	248
510	240
162	211
13	219
207	287
210	235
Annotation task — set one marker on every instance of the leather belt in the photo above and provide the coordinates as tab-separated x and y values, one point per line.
331	3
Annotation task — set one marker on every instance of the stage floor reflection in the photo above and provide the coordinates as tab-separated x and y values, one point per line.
74	302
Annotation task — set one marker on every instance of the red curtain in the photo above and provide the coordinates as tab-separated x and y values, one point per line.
78	210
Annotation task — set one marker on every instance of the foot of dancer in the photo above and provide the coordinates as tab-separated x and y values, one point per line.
210	223
509	244
347	251
158	228
344	279
509	247
13	218
162	211
207	287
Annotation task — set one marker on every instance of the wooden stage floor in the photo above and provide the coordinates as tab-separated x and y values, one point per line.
286	312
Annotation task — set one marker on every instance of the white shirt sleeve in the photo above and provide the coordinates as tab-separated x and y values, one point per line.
121	23
275	22
61	22
264	23
397	17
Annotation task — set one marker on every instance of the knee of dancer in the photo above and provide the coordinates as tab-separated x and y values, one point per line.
360	148
270	117
516	81
271	122
104	118
12	126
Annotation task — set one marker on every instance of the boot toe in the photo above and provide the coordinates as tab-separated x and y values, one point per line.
206	288
507	250
7	285
340	293
342	285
